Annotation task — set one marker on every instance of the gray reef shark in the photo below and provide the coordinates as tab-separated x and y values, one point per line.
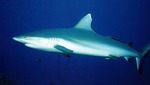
81	39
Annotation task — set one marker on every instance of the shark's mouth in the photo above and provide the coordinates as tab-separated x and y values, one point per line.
30	45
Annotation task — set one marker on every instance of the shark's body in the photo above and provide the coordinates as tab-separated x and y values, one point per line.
80	39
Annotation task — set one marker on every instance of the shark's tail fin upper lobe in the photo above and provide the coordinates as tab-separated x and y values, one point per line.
144	51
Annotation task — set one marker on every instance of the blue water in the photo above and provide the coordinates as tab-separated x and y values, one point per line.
126	20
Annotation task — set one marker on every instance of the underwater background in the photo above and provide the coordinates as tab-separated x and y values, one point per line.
126	20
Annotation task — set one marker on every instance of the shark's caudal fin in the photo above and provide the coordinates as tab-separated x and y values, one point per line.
145	50
143	53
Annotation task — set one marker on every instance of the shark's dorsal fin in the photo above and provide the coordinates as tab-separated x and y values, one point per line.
85	23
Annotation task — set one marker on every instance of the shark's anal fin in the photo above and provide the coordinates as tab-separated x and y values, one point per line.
64	50
127	59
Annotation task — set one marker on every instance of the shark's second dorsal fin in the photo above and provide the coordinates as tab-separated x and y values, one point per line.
85	23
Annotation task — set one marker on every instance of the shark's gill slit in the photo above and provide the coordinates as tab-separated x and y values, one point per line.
54	41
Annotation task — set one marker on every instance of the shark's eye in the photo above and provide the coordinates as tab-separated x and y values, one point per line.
25	37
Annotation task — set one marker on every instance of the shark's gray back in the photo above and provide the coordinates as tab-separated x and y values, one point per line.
85	38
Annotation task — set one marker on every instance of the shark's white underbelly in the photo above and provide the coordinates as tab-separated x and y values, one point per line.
96	49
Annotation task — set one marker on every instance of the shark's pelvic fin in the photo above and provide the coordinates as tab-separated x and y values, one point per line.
108	58
114	57
85	23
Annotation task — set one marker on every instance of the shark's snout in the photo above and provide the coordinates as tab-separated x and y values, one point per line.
19	39
15	38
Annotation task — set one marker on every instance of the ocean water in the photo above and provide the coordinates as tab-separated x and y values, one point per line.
126	20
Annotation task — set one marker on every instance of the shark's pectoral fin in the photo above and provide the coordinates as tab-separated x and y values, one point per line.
66	55
64	50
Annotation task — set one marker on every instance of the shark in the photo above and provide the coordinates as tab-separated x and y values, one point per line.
81	39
